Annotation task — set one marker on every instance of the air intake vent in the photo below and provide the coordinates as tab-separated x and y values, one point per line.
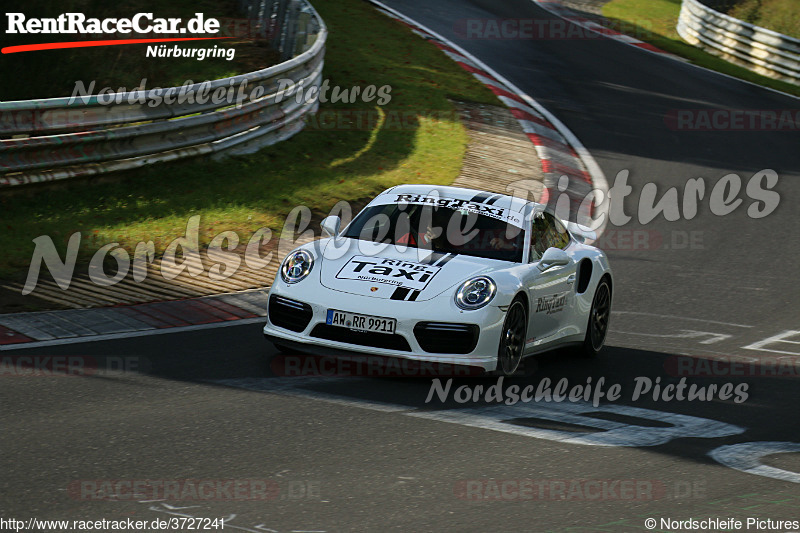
444	337
289	314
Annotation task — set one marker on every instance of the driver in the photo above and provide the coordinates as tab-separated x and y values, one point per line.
506	241
502	243
420	239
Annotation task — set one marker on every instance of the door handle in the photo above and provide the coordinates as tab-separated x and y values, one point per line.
570	279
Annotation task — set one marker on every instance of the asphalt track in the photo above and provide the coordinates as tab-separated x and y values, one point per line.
353	454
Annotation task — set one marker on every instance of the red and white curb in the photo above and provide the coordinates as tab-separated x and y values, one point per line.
568	167
45	328
560	10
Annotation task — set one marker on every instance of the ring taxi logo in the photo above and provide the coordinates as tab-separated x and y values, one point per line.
140	24
405	274
551	304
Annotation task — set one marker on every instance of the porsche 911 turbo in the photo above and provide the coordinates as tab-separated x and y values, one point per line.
444	274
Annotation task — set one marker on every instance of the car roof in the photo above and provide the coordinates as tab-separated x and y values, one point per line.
511	203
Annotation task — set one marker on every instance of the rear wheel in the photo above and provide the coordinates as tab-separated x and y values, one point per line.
512	339
599	314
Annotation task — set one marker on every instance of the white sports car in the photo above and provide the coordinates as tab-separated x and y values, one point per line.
444	274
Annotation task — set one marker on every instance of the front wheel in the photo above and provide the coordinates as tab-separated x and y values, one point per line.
512	339
599	314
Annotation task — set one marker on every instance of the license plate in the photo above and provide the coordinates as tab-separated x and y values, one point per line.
376	324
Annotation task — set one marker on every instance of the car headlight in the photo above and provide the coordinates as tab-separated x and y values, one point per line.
475	293
297	266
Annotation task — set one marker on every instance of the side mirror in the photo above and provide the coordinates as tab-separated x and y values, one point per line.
330	225
553	257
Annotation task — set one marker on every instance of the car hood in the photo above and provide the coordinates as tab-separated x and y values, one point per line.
388	272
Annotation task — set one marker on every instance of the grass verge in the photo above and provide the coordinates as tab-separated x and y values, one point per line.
660	17
419	140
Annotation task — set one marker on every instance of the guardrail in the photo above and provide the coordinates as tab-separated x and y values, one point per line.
60	138
761	50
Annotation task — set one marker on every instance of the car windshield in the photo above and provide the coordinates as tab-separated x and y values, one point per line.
439	229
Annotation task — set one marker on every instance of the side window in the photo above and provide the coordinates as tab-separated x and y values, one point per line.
539	238
558	235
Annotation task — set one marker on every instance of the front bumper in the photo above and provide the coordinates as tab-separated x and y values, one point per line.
489	321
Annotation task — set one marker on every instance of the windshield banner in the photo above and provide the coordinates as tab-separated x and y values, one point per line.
480	206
